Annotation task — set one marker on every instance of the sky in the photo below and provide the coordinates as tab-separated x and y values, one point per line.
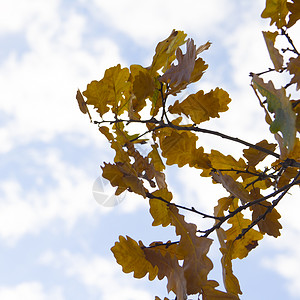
55	239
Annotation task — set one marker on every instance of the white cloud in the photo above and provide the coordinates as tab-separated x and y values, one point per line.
39	86
99	275
146	22
30	290
15	14
24	211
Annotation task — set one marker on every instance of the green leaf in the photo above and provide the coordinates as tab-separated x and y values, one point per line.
279	104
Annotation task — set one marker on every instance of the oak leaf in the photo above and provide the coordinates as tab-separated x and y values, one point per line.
112	90
165	51
82	104
143	86
236	189
294	8
132	258
194	249
255	156
277	11
294	68
279	104
124	177
168	267
248	241
201	107
275	56
179	147
270	224
159	209
226	163
181	72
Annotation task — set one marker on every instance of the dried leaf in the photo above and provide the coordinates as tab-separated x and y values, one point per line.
168	267
275	56
165	51
255	156
202	48
294	68
294	8
181	72
236	189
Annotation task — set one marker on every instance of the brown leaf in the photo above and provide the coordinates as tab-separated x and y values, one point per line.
275	56
168	267
175	75
236	189
255	156
294	8
294	68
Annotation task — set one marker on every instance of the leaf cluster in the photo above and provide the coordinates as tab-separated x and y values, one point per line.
149	132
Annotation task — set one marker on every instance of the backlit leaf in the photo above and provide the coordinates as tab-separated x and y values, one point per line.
294	68
113	90
168	267
179	147
248	241
194	249
236	189
181	72
132	258
269	224
201	107
277	11
275	56
279	104
294	8
160	209
165	51
255	156
226	163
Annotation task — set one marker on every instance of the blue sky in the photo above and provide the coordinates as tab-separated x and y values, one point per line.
55	239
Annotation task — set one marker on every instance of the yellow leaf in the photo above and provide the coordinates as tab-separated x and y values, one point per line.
277	11
275	56
244	245
143	85
156	159
221	162
236	189
179	147
82	104
132	258
201	107
231	283
168	267
255	156
165	51
200	160
269	224
181	72
159	209
123	176
294	8
113	90
210	293
294	68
